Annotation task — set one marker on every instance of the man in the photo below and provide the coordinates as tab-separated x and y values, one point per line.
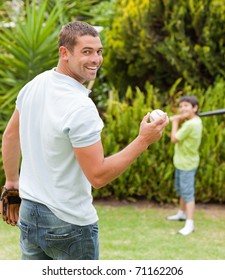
58	129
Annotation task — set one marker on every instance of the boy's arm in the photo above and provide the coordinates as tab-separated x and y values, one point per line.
175	124
176	119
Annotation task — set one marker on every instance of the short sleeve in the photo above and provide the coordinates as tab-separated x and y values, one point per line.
183	132
84	127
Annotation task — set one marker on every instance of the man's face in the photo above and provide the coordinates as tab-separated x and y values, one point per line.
86	59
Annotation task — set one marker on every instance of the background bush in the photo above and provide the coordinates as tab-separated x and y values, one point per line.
151	176
162	40
155	51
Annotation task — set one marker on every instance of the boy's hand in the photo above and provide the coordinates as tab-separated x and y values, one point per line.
178	118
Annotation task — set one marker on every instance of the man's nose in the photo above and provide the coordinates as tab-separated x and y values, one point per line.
97	58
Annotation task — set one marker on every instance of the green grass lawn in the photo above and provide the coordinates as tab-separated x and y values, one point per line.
141	232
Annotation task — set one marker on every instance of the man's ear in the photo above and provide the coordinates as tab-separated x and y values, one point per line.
63	52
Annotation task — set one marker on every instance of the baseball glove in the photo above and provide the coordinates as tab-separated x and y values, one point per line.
9	206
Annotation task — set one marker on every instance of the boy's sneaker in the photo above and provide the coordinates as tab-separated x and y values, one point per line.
180	216
188	228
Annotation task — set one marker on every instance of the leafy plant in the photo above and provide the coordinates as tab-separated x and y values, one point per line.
151	175
26	49
161	41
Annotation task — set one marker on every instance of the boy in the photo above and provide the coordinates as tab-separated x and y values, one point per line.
187	139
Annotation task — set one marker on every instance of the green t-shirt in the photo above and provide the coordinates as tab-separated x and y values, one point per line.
186	156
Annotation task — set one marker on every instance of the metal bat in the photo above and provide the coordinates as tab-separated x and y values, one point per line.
212	113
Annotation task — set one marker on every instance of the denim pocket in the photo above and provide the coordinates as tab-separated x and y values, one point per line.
24	230
65	245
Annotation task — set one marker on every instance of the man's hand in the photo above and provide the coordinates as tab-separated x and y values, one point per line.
149	133
9	205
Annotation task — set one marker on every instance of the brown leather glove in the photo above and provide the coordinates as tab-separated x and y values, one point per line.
9	206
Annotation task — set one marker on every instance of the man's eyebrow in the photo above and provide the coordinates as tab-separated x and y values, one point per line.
90	48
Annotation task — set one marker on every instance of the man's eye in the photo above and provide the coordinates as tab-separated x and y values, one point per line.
86	52
100	52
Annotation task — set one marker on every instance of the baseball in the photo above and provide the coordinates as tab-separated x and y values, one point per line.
157	114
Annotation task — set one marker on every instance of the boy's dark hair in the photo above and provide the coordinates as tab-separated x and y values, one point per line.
71	31
190	99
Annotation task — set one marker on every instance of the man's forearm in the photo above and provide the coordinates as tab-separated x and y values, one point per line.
11	157
116	164
11	151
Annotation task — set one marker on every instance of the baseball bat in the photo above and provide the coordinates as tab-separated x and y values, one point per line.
212	113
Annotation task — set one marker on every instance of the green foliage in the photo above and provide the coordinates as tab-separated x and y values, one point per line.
151	175
73	10
103	13
165	42
25	51
211	175
161	41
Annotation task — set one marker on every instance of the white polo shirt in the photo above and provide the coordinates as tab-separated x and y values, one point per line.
57	115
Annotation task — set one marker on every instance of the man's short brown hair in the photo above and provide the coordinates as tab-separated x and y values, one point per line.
71	31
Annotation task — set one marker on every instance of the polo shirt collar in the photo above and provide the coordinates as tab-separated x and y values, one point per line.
67	79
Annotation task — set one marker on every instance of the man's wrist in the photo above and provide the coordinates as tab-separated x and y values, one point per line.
12	184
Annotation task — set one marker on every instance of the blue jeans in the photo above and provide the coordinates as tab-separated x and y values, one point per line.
185	184
46	237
